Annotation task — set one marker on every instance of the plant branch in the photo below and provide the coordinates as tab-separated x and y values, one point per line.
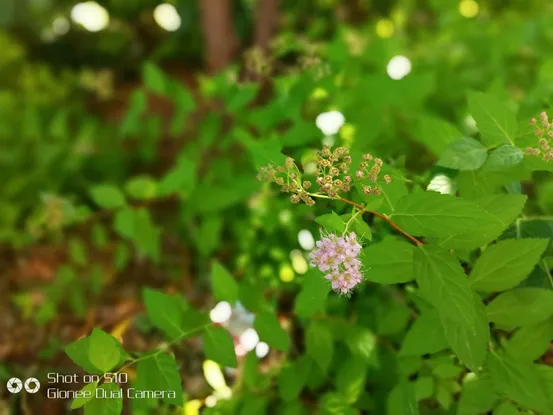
384	218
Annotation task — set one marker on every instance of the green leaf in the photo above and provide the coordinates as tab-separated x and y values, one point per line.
108	400
181	178
361	342
501	211
495	118
504	265
442	280
292	378
477	396
504	157
518	381
521	307
85	395
313	295
425	336
434	214
219	347
107	196
78	353
531	342
470	346
463	154
104	350
141	187
436	133
389	262
331	222
154	79
223	284
506	408
359	226
269	330
159	371
335	404
78	251
424	387
164	311
319	345
350	378
208	237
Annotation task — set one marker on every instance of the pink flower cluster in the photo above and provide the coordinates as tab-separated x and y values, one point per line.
338	257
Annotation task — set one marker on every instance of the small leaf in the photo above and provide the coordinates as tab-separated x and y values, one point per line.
350	379
85	395
442	280
141	187
361	342
292	378
426	336
107	196
313	295
470	346
531	342
154	79
219	347
433	214
518	381
504	265
104	350
159	371
331	222
503	157
477	397
463	154
269	330
223	284
521	307
389	262
506	408
108	400
164	311
320	345
495	118
78	353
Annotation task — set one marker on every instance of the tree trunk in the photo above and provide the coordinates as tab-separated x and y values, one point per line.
221	42
266	23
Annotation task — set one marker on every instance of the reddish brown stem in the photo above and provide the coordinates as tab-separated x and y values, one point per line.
384	218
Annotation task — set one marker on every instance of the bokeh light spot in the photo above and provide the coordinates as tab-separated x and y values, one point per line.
90	15
384	28
468	8
167	17
398	67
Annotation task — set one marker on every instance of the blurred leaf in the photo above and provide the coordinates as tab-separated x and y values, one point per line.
319	345
463	154
268	327
108	400
107	196
313	295
159	371
223	284
219	347
477	396
426	336
104	350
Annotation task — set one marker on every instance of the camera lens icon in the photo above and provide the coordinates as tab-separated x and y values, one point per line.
14	385
32	385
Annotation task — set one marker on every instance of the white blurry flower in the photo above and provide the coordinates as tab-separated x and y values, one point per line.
167	17
330	122
261	350
398	67
90	15
221	312
306	240
441	184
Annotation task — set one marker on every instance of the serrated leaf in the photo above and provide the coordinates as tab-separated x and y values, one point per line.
331	222
219	347
504	265
160	372
425	336
269	330
518	381
463	154
503	157
521	307
470	346
495	118
319	345
434	214
530	342
78	353
442	280
108	400
389	262
107	196
104	350
223	284
501	210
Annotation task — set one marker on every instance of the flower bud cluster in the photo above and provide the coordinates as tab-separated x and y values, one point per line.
544	133
369	169
332	171
338	257
288	177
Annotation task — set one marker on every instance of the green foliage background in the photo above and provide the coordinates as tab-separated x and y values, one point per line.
166	212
